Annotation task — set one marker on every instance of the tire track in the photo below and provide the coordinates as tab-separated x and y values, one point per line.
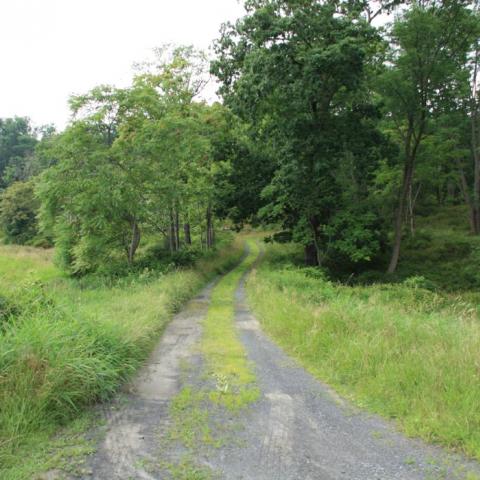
130	444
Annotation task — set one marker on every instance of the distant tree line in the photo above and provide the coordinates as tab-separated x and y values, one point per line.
23	155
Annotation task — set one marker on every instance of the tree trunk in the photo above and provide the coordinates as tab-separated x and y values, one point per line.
412	142
186	233
134	242
177	231
311	258
171	234
397	239
475	114
209	227
314	224
468	200
412	200
476	179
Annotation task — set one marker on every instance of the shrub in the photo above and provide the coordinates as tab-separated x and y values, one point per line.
419	281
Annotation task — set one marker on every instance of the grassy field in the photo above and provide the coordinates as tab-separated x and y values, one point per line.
70	343
22	265
397	349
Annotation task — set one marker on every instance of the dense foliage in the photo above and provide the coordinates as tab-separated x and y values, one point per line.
138	161
341	123
18	208
354	118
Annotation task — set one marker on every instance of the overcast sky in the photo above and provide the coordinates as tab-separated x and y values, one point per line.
50	49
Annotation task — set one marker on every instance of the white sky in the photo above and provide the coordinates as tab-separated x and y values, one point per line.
50	49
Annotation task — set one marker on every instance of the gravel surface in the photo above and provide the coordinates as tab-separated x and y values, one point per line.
302	430
133	422
298	430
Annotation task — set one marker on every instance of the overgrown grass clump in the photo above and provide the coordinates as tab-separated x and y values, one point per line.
73	342
226	358
399	350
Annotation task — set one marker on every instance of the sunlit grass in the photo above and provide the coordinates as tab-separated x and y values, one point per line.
225	355
404	352
74	343
20	265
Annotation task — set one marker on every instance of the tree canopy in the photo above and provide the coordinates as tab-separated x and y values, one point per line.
339	121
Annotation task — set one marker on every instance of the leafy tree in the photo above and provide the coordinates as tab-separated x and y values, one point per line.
17	144
87	202
430	42
18	210
472	195
135	160
296	72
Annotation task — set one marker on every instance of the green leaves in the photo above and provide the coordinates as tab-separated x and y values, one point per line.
296	72
18	209
17	145
138	160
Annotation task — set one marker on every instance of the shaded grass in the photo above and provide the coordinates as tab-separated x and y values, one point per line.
65	451
399	350
442	251
78	342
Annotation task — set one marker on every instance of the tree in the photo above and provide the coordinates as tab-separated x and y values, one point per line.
18	210
135	160
430	43
172	157
17	144
474	114
295	71
88	202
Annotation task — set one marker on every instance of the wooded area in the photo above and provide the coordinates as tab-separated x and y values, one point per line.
340	122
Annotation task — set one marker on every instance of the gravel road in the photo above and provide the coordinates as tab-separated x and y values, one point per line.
298	430
301	430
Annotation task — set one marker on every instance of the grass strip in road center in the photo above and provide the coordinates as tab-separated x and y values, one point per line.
225	355
230	379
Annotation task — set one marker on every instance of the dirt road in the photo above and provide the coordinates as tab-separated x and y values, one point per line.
297	429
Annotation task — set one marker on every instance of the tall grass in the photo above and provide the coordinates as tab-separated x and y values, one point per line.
23	265
73	344
399	350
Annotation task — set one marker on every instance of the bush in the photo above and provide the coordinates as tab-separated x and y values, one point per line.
419	241
419	281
